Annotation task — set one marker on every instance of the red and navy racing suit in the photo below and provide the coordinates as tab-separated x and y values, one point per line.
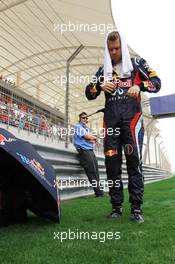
123	113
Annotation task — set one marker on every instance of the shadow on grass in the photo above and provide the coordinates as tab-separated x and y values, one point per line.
33	222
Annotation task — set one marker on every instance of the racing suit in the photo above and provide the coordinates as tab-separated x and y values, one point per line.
124	113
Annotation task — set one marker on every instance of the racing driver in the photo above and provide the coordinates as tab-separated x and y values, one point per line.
122	79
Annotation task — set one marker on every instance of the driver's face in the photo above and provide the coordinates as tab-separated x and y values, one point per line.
115	52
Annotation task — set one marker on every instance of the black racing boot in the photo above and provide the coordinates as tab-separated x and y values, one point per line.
116	212
136	215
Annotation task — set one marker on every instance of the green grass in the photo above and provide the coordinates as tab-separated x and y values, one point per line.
150	243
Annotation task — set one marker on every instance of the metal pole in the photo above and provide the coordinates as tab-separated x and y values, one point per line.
155	147
68	62
163	158
149	128
160	157
67	104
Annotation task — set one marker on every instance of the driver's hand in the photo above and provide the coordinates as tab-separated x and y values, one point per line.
133	91
108	87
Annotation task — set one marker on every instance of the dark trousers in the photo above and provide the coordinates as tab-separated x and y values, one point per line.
88	161
131	140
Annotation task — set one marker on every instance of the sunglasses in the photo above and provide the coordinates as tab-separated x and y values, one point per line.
84	117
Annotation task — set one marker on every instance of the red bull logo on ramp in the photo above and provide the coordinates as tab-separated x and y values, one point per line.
4	139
